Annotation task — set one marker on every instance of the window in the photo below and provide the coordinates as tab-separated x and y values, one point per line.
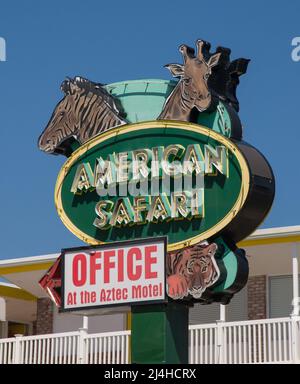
236	310
280	296
17	329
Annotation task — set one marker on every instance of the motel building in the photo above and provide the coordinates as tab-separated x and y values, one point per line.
260	325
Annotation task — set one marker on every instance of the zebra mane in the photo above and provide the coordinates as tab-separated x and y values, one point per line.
69	86
79	84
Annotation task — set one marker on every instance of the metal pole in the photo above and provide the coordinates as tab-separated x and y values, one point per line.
295	303
222	312
295	280
85	322
220	335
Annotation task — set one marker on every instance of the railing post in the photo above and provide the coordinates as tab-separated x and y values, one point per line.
220	335
295	338
81	345
220	342
17	349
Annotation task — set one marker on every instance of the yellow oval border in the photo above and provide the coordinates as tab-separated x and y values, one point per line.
146	125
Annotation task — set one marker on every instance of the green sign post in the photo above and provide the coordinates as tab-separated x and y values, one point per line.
159	334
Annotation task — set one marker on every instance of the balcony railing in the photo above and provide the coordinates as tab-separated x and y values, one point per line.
67	348
244	342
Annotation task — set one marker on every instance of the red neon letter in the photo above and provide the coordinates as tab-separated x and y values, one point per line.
134	253
79	259
94	266
108	265
121	265
149	261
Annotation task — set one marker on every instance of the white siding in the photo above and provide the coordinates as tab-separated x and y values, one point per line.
236	310
66	322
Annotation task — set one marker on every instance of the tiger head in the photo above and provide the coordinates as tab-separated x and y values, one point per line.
201	268
192	270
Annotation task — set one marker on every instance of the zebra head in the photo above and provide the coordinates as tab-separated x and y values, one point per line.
86	110
63	124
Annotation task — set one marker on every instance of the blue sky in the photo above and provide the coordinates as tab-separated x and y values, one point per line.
122	40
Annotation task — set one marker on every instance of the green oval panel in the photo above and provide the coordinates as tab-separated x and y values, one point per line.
224	195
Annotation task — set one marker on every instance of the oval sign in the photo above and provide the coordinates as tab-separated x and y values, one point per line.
216	178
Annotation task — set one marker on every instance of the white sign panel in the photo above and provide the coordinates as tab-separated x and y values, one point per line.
115	274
